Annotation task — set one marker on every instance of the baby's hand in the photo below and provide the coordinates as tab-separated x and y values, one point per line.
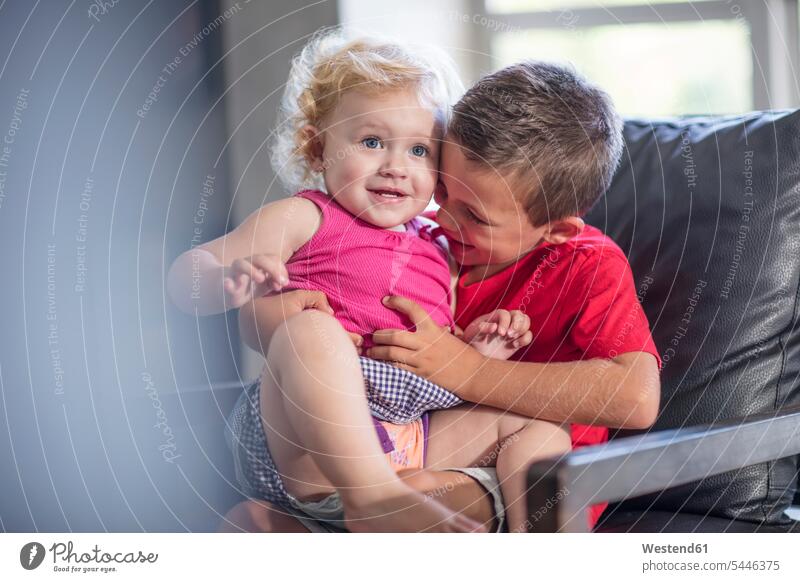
499	334
253	276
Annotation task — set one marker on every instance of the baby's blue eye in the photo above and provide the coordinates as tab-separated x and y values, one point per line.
371	143
419	150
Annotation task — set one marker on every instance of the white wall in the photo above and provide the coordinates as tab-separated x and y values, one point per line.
261	46
444	23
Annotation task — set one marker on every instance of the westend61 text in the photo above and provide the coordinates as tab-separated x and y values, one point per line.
672	549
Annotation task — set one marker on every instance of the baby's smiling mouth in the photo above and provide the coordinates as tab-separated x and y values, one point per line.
387	193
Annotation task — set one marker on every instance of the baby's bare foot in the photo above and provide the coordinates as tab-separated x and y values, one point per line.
406	510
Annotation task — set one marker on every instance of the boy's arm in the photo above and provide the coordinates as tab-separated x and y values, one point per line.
195	279
621	392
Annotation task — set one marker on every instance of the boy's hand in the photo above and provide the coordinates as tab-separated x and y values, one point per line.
500	333
431	351
251	277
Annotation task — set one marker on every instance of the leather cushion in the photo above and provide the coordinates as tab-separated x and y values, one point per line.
665	522
708	212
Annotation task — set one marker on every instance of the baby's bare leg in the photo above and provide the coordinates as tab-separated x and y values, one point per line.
322	437
315	412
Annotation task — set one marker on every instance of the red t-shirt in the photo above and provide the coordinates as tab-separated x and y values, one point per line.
581	299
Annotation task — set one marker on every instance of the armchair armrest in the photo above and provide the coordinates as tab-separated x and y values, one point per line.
559	490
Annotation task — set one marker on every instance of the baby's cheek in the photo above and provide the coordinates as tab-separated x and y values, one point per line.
425	184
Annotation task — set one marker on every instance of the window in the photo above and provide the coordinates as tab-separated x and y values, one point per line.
506	6
660	57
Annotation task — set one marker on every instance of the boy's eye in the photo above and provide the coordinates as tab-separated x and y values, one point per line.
419	150
474	218
371	143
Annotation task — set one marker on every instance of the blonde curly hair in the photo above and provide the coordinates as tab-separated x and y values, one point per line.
327	67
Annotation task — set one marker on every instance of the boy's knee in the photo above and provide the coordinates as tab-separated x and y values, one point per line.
511	423
550	438
553	437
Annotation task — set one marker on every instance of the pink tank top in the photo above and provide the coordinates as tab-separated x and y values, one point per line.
356	264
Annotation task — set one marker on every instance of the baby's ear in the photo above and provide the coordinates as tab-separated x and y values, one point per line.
560	231
313	147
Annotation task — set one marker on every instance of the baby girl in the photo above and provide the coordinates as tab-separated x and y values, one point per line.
363	122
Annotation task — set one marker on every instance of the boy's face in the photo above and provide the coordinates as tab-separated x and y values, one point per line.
481	217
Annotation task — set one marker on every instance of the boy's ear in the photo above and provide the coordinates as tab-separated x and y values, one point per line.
560	231
314	148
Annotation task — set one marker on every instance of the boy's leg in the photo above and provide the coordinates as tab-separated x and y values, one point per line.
539	439
455	490
452	489
321	435
480	436
256	516
466	436
469	435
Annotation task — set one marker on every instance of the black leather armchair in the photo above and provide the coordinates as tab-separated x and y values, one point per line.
708	212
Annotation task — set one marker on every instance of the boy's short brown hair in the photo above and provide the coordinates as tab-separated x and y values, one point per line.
548	129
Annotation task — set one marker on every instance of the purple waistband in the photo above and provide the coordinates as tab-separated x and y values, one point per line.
386	443
383	436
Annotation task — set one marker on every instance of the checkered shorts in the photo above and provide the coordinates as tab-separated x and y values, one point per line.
398	396
393	395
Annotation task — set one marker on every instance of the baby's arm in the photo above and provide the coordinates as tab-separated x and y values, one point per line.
499	334
248	261
495	335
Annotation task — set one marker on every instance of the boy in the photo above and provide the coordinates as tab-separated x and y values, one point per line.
529	150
